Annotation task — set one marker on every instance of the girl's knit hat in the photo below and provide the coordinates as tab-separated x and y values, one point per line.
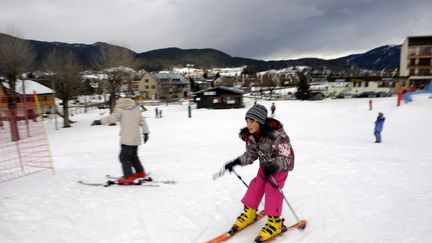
258	113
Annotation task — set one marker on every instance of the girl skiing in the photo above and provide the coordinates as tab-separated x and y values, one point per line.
267	141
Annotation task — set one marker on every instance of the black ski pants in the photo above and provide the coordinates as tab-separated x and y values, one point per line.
128	159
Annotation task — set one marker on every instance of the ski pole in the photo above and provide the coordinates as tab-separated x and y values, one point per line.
238	176
302	223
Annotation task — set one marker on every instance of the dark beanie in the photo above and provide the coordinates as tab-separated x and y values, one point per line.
258	113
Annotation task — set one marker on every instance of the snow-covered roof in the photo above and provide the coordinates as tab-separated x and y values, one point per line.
229	89
176	77
29	86
120	68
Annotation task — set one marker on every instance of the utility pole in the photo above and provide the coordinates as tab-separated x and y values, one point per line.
54	109
190	88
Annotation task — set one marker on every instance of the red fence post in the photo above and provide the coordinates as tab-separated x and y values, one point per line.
399	98
370	105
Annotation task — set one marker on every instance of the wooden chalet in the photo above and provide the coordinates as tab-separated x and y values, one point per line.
219	98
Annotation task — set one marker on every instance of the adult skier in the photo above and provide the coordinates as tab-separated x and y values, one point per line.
267	141
128	114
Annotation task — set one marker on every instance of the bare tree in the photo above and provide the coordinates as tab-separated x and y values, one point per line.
117	62
65	74
16	57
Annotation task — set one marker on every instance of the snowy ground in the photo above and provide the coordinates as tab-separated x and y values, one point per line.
347	187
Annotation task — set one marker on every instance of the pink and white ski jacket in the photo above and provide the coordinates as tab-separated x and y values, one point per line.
272	146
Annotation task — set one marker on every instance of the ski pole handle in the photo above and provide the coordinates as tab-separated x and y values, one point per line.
219	174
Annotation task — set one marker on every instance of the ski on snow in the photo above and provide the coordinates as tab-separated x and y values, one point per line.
299	225
145	179
112	182
233	231
227	235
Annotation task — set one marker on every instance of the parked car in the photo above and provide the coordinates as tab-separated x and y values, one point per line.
317	96
343	95
384	94
104	105
367	94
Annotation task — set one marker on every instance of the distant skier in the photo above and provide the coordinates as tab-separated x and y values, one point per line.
267	141
128	114
273	109
379	124
156	112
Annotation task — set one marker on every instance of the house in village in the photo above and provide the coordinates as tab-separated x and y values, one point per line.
24	98
226	81
355	87
373	87
202	83
163	85
221	97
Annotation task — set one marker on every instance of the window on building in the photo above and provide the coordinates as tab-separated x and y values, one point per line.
366	84
413	50
424	62
146	86
146	80
424	50
153	87
386	84
412	62
424	71
229	100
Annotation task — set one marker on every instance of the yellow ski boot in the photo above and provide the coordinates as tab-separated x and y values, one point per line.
245	218
271	228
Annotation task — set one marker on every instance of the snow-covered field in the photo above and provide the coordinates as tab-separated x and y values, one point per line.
347	187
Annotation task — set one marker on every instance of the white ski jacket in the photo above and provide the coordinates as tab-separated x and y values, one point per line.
128	114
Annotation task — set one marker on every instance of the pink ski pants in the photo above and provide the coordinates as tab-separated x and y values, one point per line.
260	186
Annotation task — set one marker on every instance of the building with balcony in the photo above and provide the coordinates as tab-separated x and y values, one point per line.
163	85
416	61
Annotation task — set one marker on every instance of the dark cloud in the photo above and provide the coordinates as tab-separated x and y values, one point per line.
265	29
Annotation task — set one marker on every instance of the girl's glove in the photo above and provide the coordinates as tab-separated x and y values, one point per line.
229	166
270	169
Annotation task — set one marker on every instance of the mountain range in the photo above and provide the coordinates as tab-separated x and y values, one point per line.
384	57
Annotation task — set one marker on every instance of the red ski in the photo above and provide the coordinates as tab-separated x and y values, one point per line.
111	183
301	225
234	230
145	179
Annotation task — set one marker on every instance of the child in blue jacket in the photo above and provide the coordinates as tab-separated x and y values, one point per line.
379	123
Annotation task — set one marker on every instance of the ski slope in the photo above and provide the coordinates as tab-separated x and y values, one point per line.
347	187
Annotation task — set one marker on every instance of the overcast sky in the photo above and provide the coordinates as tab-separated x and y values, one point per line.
260	29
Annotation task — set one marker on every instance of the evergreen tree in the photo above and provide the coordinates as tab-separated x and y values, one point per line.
88	89
193	86
216	76
303	92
